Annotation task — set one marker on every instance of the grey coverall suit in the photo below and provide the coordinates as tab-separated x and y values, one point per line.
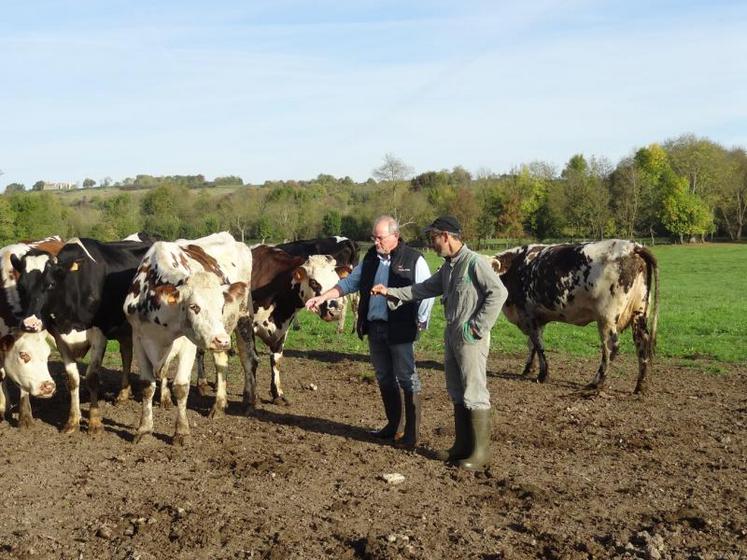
473	295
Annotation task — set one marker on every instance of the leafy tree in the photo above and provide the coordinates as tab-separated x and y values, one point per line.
332	223
7	222
228	180
15	187
731	201
38	216
38	186
88	183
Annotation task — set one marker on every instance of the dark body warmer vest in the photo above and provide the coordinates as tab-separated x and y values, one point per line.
403	323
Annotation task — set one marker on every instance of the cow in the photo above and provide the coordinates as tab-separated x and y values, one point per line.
613	282
281	284
345	253
78	297
186	295
23	356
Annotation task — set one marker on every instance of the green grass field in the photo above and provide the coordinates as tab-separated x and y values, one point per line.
703	313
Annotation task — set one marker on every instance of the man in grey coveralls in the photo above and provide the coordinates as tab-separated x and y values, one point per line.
473	296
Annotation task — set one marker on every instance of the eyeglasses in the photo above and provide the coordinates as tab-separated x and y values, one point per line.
434	236
380	238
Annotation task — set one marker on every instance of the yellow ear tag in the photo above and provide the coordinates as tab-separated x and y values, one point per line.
74	266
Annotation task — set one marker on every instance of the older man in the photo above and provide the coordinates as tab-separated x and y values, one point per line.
391	334
473	296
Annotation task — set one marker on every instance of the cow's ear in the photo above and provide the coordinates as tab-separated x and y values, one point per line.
496	264
344	270
6	343
18	264
167	294
299	275
237	290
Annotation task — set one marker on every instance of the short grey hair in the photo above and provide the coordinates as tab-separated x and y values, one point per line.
392	223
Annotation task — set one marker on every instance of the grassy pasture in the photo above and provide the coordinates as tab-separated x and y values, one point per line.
703	313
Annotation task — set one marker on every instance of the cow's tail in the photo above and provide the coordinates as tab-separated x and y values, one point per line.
652	307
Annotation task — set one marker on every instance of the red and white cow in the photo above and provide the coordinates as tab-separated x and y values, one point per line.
281	285
188	295
23	355
613	282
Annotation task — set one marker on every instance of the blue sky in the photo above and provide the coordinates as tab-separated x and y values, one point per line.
288	90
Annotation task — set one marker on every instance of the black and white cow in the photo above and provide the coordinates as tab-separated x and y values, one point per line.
78	298
188	295
345	252
613	282
281	284
23	355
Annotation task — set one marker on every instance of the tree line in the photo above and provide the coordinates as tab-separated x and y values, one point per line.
683	189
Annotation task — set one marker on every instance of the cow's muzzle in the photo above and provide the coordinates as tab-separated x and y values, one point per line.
32	324
46	389
221	342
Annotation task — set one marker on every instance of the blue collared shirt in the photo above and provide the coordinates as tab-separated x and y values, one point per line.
377	307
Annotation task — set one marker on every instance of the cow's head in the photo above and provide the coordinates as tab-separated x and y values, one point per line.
503	261
199	306
33	288
69	291
24	358
317	275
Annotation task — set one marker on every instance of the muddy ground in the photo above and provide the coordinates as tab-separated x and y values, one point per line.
574	475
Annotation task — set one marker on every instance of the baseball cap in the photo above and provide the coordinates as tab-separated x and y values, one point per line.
445	223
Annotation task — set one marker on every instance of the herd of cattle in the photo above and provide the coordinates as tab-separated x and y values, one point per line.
165	301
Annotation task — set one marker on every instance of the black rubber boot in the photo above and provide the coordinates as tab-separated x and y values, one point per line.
462	446
412	420
480	421
393	409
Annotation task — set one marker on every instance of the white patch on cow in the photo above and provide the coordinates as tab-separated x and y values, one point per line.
340	239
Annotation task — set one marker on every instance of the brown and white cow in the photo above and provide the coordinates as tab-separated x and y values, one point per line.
281	285
23	355
188	295
613	282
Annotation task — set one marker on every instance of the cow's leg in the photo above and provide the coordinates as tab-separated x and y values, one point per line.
529	364
535	337
249	361
3	399
642	340
98	347
148	379
73	385
276	355
608	336
25	417
343	312
203	389
181	390
221	397
125	350
163	375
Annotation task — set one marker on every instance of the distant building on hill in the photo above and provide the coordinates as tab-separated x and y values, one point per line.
62	186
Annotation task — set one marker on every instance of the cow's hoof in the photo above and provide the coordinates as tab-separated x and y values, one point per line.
180	440
123	396
217	412
640	389
142	437
281	401
95	428
25	422
203	389
70	428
